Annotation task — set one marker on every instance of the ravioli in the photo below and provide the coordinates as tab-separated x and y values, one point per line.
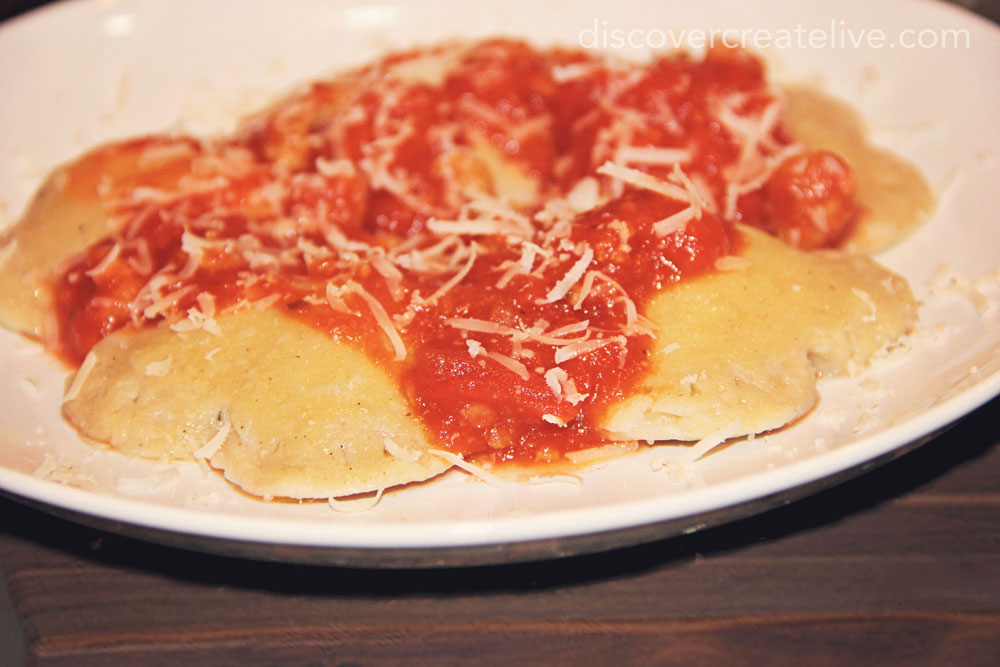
734	364
319	310
896	196
295	414
739	352
67	215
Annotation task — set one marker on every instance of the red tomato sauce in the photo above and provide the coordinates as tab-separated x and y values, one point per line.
327	207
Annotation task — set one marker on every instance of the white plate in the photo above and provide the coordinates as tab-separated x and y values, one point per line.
82	72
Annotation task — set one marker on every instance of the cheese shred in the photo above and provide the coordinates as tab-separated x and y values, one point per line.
209	449
459	462
81	376
356	505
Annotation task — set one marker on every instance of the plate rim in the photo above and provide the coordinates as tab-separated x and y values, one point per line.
456	534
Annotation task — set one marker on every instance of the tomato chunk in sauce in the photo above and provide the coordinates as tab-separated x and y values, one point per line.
487	221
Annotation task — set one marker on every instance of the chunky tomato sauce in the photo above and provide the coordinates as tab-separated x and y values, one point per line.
486	221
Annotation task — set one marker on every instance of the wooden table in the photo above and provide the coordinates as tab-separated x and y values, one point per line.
900	566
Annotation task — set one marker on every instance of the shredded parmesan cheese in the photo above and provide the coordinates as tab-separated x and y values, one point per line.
572	277
574	350
459	462
62	470
378	311
159	368
867	299
159	306
674	223
107	261
357	505
554	419
209	449
509	363
652	155
81	376
643	180
398	451
454	280
554	377
707	444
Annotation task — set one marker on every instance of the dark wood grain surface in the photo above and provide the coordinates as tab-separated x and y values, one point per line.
898	567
